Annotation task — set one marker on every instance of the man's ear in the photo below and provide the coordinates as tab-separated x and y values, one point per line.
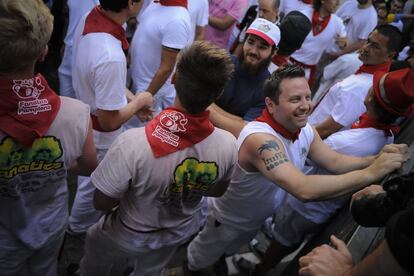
43	54
270	105
391	55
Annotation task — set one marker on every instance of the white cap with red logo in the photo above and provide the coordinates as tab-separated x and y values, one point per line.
266	30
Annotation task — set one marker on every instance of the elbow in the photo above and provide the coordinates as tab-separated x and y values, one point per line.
305	196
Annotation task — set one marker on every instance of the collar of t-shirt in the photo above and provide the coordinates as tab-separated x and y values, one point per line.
365	121
173	130
371	69
280	60
178	3
319	24
27	109
98	22
268	119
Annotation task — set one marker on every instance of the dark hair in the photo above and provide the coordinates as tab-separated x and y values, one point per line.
115	5
394	37
294	28
271	86
202	72
317	4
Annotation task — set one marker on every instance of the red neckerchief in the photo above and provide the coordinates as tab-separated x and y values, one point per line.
178	3
318	24
365	121
371	69
307	1
173	130
268	119
27	108
280	60
98	22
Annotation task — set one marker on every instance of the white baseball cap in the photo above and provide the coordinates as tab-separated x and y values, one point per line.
266	30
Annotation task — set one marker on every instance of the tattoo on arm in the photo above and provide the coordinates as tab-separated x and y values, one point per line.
277	156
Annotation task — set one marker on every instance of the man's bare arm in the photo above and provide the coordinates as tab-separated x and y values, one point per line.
328	127
225	120
221	23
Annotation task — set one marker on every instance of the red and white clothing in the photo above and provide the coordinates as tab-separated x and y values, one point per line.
77	9
157	210
234	209
344	101
159	26
286	6
315	43
359	23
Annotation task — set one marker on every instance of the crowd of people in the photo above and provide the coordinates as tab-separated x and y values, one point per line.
199	123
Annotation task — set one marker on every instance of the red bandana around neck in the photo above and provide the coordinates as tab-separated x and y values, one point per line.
98	22
280	60
307	1
319	24
268	119
173	130
371	69
27	109
178	3
366	121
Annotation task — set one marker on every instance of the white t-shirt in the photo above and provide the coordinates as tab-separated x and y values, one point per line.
99	76
286	6
167	26
251	197
198	10
344	102
33	188
359	23
354	142
313	46
161	197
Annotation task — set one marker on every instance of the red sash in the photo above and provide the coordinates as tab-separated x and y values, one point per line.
27	108
98	22
178	3
309	2
312	69
365	122
280	60
371	69
268	119
173	130
319	24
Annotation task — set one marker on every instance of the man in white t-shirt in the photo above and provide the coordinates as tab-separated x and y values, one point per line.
360	18
343	103
77	9
159	174
198	10
164	29
286	6
99	80
42	138
271	154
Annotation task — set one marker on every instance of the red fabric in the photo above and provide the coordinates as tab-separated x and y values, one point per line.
280	60
371	69
27	108
268	119
173	130
179	3
365	121
309	2
312	70
98	22
319	24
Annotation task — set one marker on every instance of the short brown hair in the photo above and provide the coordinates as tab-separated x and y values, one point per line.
25	30
271	87
202	72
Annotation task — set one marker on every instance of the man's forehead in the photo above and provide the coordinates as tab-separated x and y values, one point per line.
258	38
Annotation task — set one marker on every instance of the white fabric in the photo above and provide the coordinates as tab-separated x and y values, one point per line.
34	204
344	102
160	210
77	9
167	26
249	189
198	10
99	76
286	6
313	46
336	71
359	23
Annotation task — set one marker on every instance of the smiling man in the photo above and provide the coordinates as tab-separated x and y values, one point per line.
243	99
271	155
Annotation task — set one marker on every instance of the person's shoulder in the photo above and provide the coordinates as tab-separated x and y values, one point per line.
74	106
